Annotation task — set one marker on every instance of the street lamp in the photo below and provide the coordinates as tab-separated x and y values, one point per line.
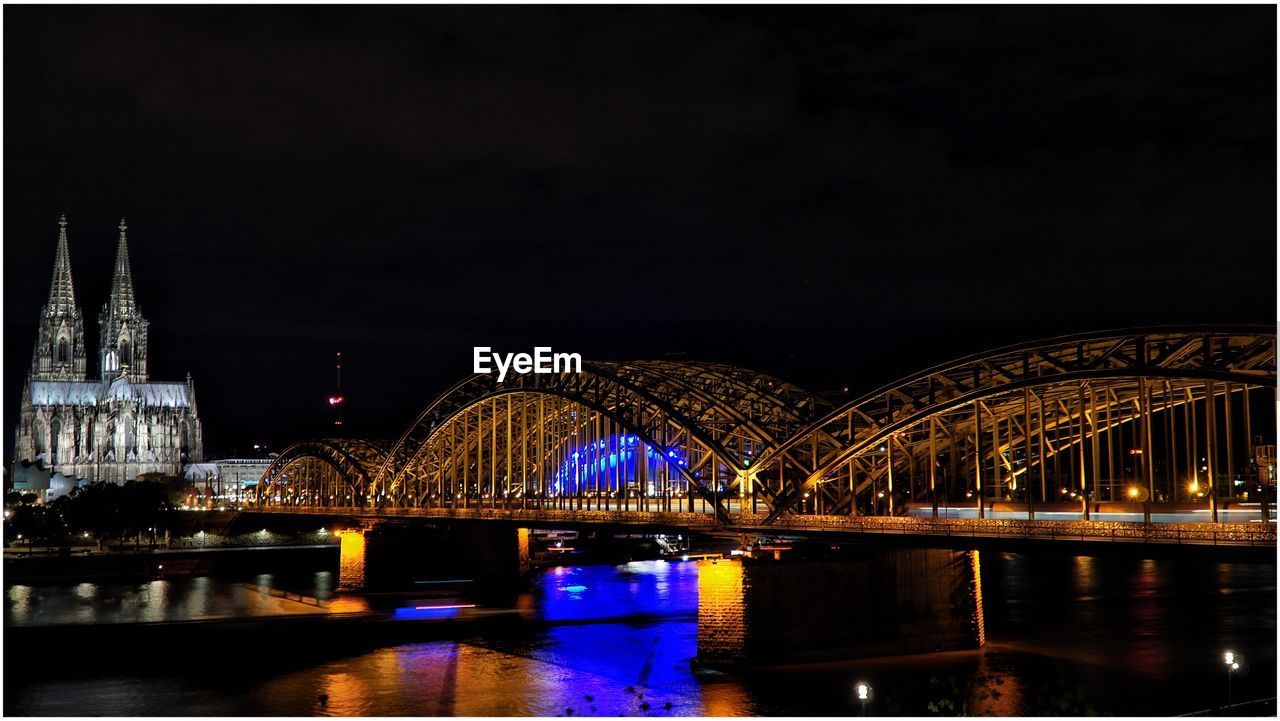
864	693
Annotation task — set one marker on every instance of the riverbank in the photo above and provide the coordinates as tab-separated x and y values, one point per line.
145	564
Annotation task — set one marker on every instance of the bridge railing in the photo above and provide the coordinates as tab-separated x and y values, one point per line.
1235	534
567	516
1232	534
685	520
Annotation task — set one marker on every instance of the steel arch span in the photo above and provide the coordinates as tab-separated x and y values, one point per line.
998	426
329	472
1163	414
640	435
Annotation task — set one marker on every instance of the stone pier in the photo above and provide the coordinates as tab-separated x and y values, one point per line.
351	562
395	556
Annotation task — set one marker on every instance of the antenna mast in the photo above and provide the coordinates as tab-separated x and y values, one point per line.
336	400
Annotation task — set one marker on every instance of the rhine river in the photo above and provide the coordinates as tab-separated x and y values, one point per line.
1065	635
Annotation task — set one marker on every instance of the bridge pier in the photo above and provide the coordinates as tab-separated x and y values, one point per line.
352	560
876	602
395	555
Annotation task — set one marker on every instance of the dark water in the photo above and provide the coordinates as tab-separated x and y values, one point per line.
1066	635
177	599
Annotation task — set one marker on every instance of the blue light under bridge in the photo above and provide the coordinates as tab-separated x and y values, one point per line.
614	463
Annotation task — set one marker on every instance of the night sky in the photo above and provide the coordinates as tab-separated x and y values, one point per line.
833	195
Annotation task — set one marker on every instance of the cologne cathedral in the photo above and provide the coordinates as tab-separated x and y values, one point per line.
121	425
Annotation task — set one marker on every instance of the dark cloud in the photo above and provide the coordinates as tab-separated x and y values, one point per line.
833	194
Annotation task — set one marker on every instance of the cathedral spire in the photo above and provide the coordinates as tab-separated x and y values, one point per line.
122	331
62	291
59	351
121	301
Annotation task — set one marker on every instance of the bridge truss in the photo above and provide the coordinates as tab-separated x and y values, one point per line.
1157	415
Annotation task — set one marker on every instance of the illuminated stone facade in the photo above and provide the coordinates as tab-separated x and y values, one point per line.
121	425
351	564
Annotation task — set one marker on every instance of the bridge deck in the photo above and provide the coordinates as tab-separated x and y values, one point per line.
1210	534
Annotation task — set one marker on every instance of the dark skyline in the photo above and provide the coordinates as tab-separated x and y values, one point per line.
832	195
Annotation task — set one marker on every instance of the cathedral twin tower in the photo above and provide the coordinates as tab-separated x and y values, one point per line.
119	426
60	352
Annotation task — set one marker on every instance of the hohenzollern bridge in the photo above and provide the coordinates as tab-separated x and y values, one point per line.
1150	433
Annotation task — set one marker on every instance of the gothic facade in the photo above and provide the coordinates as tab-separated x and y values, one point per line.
120	425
